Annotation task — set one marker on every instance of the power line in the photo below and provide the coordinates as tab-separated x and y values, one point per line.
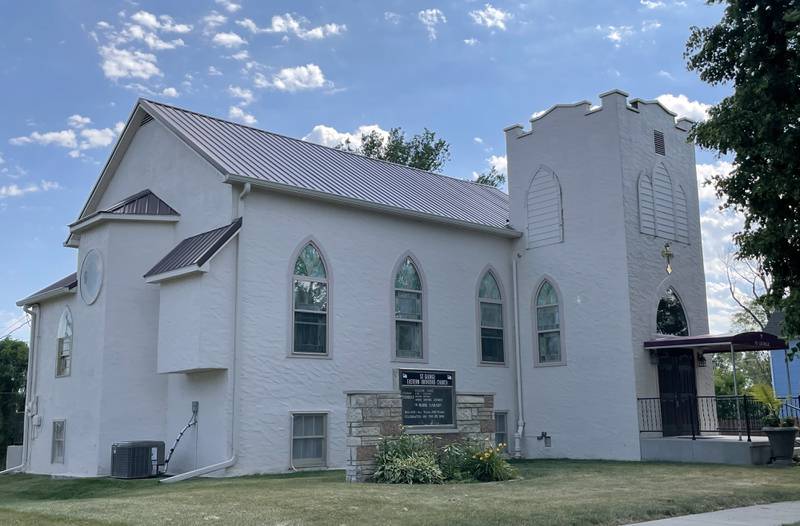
15	322
15	329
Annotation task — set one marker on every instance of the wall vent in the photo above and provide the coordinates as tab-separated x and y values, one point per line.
658	141
145	119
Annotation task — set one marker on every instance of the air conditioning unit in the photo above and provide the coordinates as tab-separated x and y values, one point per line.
136	460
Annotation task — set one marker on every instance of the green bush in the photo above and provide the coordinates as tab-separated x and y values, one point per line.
489	465
407	459
413	459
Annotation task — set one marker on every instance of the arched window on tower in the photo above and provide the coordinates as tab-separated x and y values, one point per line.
64	344
548	325
671	317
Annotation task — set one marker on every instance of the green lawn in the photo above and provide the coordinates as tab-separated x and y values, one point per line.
547	492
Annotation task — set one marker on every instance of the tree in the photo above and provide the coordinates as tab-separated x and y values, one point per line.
756	49
491	178
13	370
424	151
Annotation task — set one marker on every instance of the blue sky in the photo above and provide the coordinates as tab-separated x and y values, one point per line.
71	72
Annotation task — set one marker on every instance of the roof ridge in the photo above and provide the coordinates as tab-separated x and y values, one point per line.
355	154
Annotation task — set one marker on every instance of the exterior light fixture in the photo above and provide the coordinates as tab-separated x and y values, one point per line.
667	254
701	360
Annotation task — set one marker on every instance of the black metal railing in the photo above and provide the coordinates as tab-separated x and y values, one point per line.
691	415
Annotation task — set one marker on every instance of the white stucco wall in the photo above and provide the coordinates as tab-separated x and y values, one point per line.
588	405
361	250
645	266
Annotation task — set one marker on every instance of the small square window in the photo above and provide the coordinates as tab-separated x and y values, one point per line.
309	439
59	436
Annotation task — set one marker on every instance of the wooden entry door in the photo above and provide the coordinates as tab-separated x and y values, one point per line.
678	390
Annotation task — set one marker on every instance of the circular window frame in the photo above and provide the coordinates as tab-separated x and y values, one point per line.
89	300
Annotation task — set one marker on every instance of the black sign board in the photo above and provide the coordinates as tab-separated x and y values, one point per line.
428	398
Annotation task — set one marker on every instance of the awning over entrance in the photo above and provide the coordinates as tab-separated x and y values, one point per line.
714	343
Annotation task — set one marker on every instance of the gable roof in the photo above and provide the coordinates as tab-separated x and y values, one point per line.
64	285
142	203
193	252
243	154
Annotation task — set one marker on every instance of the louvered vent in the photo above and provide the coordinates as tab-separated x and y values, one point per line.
658	141
545	225
147	118
664	203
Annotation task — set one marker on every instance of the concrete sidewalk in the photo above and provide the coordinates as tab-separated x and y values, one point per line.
776	514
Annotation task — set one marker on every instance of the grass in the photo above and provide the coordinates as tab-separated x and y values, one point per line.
548	492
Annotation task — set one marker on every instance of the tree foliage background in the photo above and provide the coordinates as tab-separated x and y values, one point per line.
755	48
13	367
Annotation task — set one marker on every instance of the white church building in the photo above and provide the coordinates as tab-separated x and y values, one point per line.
260	277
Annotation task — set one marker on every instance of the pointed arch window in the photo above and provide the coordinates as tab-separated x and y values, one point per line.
310	303
408	313
490	303
545	213
671	317
64	344
548	325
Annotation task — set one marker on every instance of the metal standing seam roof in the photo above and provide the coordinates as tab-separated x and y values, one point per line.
248	152
66	283
142	203
195	250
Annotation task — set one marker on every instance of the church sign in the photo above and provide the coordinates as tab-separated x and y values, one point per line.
428	398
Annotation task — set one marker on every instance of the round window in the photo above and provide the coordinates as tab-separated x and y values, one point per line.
91	278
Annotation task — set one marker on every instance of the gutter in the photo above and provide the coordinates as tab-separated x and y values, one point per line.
377	207
517	362
239	211
33	312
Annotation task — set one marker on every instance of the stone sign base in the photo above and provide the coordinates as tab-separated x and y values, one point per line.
374	415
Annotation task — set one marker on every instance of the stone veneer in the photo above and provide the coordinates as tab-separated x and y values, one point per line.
374	415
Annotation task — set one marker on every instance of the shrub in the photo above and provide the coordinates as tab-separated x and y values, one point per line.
407	459
489	465
454	460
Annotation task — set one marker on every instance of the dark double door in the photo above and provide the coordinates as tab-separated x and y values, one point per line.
678	391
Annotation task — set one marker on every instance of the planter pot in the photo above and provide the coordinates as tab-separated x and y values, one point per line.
781	440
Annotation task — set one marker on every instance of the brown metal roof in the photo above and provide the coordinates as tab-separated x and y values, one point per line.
242	151
195	250
711	343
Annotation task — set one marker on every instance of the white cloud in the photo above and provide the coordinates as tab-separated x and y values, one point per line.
2	161
392	18
78	121
706	192
243	94
14	190
616	34
652	4
123	63
680	104
229	40
238	114
119	127
241	55
96	138
298	78
288	24
170	92
328	136
430	18
665	74
470	41
63	138
477	140
650	25
229	6
499	163
491	17
146	19
214	72
212	21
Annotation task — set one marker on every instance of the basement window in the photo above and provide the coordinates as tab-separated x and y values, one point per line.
501	429
57	447
309	437
658	141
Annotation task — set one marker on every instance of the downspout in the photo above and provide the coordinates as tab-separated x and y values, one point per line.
239	211
33	312
517	363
